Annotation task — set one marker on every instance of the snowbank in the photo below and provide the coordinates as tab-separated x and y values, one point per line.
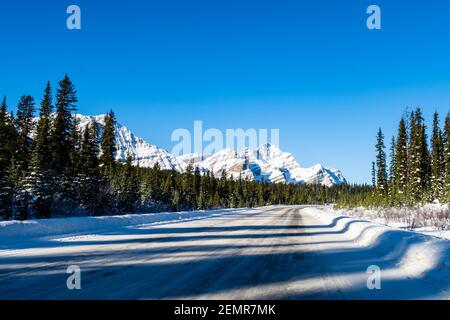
432	219
420	253
16	232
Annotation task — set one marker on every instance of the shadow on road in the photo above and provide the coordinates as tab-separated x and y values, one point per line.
197	261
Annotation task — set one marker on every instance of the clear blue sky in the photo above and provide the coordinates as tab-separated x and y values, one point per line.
310	68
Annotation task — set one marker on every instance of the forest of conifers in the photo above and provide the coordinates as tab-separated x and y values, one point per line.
50	168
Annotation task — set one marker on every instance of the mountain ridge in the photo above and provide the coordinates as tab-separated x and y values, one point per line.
267	163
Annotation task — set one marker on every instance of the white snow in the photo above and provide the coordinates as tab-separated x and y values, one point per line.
18	232
420	253
267	163
431	219
280	252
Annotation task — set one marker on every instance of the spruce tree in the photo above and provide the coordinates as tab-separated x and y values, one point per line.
22	187
381	164
89	170
393	168
63	126
447	158
374	174
41	144
8	140
401	154
24	124
41	164
108	142
420	167
64	139
437	161
128	195
187	188
5	148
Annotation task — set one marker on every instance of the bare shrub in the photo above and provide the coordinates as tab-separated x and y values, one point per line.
413	217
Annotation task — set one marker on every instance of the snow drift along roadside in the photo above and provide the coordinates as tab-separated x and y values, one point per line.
419	253
15	232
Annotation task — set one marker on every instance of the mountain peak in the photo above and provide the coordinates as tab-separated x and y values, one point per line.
267	163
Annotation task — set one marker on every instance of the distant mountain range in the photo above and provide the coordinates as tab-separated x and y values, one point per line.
267	163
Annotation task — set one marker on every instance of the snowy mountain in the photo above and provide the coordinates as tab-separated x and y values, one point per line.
143	153
267	163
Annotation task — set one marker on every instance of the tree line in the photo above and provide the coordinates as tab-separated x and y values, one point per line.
50	168
418	171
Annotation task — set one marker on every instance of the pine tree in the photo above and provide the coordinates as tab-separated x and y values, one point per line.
401	153
393	166
5	148
41	146
393	169
381	164
89	170
187	188
108	142
41	164
175	201
437	161
64	140
63	126
374	174
202	198
128	195
447	158
24	124
8	140
420	168
223	189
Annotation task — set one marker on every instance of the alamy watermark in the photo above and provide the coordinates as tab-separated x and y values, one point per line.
74	280
374	279
373	22
210	141
73	22
374	19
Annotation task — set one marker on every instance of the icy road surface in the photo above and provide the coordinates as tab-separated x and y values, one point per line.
268	253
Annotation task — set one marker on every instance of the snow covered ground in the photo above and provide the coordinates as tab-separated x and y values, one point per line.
299	252
430	219
18	233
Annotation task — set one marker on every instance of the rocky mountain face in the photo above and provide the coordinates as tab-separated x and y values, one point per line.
267	163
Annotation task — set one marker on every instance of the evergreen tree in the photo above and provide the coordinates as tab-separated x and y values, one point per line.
223	189
393	167
108	142
447	158
128	193
64	141
89	170
62	144
24	124
420	168
374	174
401	154
6	150
41	172
175	201
202	198
437	160
41	145
187	188
381	163
8	140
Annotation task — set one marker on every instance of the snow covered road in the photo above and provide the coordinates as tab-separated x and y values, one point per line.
267	253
